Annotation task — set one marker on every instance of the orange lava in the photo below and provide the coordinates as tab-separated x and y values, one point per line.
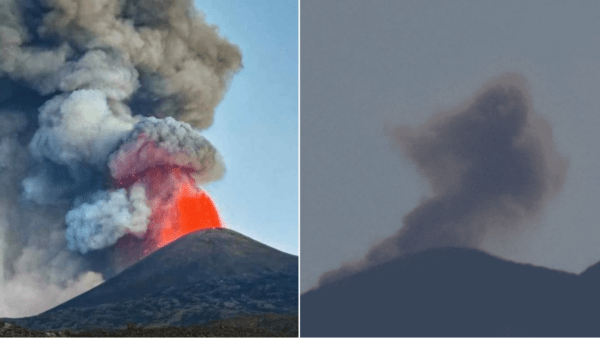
194	210
178	206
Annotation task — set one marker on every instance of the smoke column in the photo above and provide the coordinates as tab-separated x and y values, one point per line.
490	164
101	155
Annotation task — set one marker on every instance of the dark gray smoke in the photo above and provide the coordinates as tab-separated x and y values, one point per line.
490	164
78	79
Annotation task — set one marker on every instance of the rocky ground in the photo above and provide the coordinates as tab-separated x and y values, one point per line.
196	304
215	282
267	325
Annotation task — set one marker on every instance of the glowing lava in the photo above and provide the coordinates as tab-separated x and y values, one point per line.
194	210
170	169
178	206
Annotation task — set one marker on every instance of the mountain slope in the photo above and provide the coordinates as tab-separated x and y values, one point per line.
207	275
449	292
203	255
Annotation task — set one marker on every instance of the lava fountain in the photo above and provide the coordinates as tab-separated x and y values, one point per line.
170	160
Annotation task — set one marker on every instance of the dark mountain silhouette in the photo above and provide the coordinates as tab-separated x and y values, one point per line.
591	272
454	292
207	275
202	256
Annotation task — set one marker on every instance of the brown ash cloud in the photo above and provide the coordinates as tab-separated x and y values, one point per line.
490	165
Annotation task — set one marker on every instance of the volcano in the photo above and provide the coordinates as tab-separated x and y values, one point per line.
206	275
454	292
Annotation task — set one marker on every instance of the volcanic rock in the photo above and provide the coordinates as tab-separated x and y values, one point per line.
453	292
208	275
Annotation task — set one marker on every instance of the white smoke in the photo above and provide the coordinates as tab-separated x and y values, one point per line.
167	142
109	216
78	129
73	76
184	61
108	73
32	288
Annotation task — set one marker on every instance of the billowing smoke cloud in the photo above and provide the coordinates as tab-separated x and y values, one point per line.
76	131
154	154
108	217
86	158
166	142
490	164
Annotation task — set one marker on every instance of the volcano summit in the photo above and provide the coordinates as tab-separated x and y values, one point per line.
454	292
207	275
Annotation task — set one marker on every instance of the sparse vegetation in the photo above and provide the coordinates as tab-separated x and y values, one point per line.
267	325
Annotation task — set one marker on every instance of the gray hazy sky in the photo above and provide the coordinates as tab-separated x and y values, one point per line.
370	65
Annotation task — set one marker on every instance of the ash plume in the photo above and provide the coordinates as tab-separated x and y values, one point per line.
83	85
490	164
166	142
106	218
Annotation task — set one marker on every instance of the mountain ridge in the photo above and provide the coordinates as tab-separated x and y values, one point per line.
210	274
451	292
184	253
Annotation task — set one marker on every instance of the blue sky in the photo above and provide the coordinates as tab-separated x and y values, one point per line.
256	124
